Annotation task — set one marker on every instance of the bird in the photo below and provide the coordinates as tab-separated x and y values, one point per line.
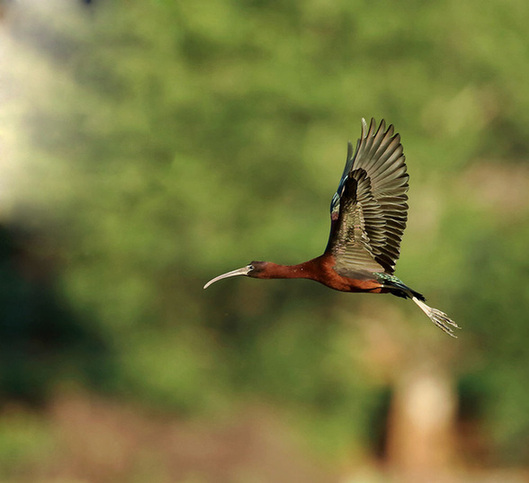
369	212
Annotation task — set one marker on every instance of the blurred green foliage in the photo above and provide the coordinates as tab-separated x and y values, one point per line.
161	143
25	441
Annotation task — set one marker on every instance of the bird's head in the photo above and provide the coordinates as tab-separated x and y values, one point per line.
253	269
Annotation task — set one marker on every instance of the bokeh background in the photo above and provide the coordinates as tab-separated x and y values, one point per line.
147	146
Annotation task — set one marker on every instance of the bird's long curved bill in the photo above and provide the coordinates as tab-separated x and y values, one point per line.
233	273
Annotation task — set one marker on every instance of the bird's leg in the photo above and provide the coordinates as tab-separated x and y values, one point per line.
437	317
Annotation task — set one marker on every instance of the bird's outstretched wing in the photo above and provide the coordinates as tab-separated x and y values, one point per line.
369	209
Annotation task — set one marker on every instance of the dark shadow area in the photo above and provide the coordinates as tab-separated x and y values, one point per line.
378	422
41	341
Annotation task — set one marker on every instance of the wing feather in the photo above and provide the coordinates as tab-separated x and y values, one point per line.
369	210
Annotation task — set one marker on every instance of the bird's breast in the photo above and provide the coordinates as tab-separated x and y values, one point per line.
361	282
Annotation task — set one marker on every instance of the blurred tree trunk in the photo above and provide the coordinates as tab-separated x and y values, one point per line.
421	429
421	423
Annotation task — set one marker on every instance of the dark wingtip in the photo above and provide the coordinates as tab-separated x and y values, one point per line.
349	150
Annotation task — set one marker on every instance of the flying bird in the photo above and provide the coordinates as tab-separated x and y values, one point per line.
369	212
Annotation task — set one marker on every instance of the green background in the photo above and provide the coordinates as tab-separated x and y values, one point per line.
150	145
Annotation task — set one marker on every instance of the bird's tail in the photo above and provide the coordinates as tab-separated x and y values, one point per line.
400	289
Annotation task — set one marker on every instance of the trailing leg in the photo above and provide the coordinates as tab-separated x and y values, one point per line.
400	289
439	318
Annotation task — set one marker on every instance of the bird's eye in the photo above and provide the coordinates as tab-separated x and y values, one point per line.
250	267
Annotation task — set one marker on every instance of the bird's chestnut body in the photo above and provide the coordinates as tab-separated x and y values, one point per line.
320	270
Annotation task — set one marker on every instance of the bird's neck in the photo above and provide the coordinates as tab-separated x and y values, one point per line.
308	269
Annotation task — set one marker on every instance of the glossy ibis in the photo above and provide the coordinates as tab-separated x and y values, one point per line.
368	216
